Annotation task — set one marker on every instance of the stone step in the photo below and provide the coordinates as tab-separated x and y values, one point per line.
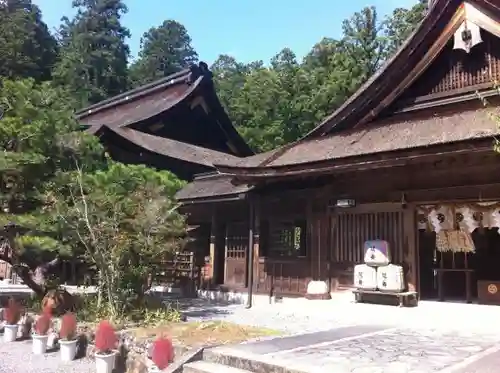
243	361
209	367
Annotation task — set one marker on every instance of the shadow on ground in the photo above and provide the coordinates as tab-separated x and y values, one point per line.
198	308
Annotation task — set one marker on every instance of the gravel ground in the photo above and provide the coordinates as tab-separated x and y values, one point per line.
305	316
294	317
16	357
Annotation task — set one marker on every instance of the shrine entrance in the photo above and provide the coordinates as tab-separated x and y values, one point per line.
459	252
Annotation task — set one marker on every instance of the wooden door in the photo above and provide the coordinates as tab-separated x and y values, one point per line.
236	254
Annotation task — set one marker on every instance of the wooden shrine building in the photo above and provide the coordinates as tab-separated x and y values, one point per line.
409	159
176	124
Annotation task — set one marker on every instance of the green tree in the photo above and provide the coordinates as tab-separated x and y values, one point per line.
402	23
254	109
333	75
61	196
127	224
27	49
39	149
363	40
94	55
278	104
229	77
165	49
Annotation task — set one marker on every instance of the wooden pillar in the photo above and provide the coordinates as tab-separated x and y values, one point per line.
251	255
312	239
324	246
213	240
256	243
410	250
319	244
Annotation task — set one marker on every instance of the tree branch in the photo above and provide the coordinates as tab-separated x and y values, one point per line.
25	274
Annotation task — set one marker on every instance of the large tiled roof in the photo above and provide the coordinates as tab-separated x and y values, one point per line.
141	108
143	102
125	111
396	134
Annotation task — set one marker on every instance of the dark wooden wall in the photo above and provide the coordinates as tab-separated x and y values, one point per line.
387	201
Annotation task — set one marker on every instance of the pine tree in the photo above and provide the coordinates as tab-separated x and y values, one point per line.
27	49
94	54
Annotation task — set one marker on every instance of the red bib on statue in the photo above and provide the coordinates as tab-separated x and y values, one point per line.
377	253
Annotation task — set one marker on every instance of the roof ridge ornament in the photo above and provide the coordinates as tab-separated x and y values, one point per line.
468	33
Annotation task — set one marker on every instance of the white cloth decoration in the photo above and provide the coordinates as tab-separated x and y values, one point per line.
434	219
468	223
487	220
422	222
447	223
495	219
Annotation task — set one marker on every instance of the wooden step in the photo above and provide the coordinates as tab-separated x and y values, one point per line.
209	367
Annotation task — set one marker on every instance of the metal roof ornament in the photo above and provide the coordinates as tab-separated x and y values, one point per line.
467	35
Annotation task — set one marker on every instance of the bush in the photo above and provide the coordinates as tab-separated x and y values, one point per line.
68	327
150	313
12	313
105	338
163	352
42	324
47	310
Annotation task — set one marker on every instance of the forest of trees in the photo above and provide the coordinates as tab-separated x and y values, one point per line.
271	102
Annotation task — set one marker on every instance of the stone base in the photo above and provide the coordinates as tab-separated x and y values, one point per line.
318	296
317	290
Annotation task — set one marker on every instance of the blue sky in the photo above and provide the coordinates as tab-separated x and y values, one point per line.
246	29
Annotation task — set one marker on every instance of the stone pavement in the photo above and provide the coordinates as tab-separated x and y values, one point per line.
372	349
488	363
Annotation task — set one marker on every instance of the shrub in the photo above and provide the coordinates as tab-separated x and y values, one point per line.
163	352
42	324
105	337
47	310
68	326
12	313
